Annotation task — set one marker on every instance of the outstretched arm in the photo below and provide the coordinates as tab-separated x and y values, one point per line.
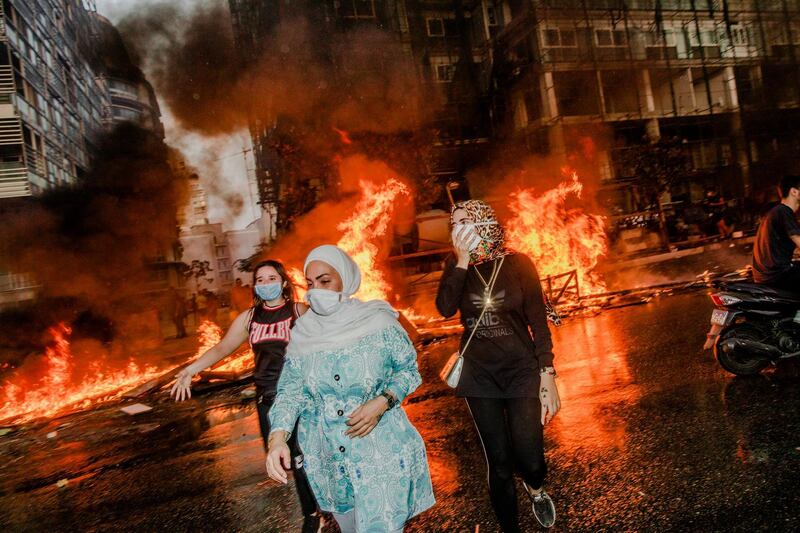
236	335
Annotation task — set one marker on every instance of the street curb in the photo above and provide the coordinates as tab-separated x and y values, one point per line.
659	258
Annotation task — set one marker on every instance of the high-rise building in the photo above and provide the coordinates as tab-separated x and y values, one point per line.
720	76
65	80
59	90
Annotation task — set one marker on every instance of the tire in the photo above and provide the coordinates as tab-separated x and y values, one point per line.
735	362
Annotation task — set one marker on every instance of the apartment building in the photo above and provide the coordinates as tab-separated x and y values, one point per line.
721	75
58	92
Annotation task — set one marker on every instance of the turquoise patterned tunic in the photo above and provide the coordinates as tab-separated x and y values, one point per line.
383	476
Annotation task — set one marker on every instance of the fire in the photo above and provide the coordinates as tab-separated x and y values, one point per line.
368	224
209	335
240	361
63	386
558	239
362	233
299	281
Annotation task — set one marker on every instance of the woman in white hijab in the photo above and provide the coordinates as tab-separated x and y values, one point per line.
349	365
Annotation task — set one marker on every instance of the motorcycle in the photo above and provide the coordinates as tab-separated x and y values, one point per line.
753	326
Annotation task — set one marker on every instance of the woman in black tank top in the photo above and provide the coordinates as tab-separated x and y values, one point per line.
267	327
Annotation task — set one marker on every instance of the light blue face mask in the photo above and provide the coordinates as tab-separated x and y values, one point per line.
269	291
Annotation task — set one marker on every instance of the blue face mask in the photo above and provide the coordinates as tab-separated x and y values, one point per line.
269	291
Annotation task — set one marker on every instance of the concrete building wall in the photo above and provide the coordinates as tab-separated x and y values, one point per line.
208	242
243	244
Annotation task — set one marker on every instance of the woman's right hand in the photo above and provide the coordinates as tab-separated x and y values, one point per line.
279	458
460	244
182	389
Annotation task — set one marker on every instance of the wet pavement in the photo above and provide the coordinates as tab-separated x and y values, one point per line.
652	436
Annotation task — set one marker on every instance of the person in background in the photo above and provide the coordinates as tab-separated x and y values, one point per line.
508	379
267	324
176	305
777	239
202	301
212	307
241	298
349	366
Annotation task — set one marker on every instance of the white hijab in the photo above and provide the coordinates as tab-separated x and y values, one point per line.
353	319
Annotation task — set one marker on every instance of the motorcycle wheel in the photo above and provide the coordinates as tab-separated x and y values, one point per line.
736	362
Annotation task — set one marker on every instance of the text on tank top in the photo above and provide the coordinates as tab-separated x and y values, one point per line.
270	331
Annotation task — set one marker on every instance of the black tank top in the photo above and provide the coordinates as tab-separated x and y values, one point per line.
269	334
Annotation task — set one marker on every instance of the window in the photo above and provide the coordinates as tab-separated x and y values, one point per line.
357	9
126	113
610	37
739	35
657	38
435	27
443	73
553	37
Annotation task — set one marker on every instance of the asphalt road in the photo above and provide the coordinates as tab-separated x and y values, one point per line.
652	436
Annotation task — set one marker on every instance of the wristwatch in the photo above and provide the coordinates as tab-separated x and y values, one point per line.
389	398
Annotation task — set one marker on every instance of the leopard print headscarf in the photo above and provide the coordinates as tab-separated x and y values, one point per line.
493	236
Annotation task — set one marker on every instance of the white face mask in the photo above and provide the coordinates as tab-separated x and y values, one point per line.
473	239
323	301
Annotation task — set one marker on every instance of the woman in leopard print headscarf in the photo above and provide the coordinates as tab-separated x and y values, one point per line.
491	233
507	378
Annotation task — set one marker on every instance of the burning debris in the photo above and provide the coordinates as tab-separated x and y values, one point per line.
557	238
59	381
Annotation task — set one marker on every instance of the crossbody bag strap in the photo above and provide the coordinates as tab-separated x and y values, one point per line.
480	318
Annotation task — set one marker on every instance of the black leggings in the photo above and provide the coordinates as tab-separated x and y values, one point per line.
511	434
308	503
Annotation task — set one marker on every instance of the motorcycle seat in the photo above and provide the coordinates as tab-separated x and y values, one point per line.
758	288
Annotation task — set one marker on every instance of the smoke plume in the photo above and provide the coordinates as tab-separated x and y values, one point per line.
90	240
361	81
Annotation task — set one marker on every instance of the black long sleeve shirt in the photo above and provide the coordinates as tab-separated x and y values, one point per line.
513	341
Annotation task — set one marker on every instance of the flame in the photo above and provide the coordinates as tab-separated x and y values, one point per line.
241	361
299	281
364	228
558	239
63	387
209	335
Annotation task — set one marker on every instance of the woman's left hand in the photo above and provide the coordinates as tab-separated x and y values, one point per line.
366	417
548	396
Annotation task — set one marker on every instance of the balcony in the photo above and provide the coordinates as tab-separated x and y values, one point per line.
708	52
661	52
6	79
14	180
36	161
